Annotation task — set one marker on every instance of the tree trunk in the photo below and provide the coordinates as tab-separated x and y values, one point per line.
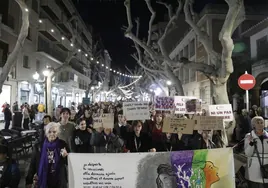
219	93
175	81
220	96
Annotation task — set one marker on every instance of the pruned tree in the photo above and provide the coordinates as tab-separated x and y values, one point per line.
221	65
155	61
13	56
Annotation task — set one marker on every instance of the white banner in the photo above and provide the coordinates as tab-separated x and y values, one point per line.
184	105
136	110
151	170
222	110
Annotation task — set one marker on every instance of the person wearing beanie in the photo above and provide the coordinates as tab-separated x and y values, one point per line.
9	170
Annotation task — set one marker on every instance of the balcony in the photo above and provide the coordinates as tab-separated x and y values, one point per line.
48	29
50	51
66	6
51	8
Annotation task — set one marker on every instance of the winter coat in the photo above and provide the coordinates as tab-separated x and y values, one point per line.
11	175
253	172
81	141
7	114
145	143
34	165
106	144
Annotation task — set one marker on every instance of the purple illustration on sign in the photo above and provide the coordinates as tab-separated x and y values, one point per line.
182	165
164	103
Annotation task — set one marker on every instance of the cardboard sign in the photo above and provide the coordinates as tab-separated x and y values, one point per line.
164	103
178	125
208	123
103	120
222	110
136	110
187	105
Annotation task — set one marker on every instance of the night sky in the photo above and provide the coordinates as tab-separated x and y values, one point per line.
108	16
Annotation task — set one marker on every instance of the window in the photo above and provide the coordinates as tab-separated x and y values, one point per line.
35	5
186	52
262	45
186	75
26	62
38	66
181	53
192	75
71	76
181	75
192	48
29	36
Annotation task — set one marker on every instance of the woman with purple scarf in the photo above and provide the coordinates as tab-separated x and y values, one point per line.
49	160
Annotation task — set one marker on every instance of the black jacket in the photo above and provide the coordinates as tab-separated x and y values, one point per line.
144	142
7	114
122	131
174	144
10	175
81	141
34	165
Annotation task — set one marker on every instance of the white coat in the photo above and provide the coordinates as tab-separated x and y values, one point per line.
253	172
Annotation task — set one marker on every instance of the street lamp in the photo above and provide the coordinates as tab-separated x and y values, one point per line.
36	76
169	83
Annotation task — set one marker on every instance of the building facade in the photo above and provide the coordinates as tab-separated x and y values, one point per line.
258	35
48	44
211	20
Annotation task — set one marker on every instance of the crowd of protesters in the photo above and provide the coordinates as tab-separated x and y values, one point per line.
72	130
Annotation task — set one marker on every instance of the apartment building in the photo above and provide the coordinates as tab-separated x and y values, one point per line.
258	35
48	44
211	20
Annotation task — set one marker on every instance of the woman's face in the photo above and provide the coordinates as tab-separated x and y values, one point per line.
52	134
138	128
168	135
259	125
168	181
82	125
206	134
158	118
46	121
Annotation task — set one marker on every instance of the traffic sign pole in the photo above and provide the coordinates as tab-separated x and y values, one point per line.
247	98
246	82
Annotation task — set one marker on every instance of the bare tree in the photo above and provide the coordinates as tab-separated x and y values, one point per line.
155	61
13	56
221	65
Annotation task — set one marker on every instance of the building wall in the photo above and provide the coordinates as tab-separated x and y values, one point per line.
253	41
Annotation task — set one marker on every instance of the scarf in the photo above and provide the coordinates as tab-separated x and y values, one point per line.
43	164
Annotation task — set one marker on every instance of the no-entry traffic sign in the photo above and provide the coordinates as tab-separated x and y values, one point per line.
246	81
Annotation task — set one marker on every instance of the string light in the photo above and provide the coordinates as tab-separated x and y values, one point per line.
91	58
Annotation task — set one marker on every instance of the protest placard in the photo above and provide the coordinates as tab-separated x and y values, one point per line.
208	123
178	125
170	169
136	110
103	120
187	105
164	103
222	110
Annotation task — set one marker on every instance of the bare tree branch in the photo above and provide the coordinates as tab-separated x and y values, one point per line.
232	20
169	8
153	14
203	36
201	67
12	57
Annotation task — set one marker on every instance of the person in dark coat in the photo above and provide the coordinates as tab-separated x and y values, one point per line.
49	160
202	140
121	128
139	141
82	137
9	170
173	142
46	120
7	116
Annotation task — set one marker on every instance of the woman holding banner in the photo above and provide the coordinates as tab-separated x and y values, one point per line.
48	161
256	149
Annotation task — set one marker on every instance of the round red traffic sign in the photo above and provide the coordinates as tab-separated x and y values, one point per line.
246	81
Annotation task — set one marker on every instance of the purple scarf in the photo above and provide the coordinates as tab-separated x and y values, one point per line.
43	164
